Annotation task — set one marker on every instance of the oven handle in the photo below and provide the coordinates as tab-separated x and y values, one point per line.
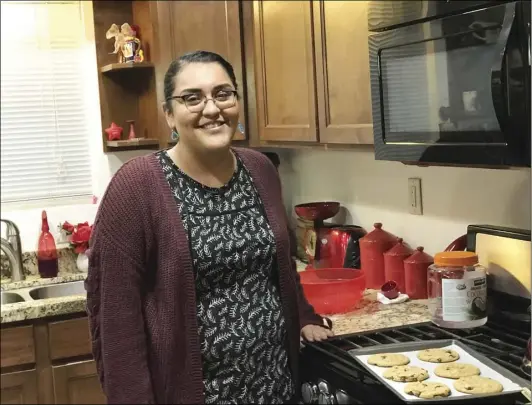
502	87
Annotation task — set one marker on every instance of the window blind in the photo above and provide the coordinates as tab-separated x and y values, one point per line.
44	127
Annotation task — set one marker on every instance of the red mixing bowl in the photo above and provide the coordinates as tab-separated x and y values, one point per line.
333	291
317	210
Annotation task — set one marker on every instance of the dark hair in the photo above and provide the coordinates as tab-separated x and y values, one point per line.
192	57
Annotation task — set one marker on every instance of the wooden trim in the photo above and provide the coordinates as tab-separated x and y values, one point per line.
43	366
248	40
138	143
114	67
236	56
162	16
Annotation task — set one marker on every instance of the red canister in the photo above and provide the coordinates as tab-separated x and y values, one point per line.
393	263
372	248
416	268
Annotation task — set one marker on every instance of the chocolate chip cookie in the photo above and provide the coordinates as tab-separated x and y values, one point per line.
406	374
427	390
388	360
477	385
438	355
456	370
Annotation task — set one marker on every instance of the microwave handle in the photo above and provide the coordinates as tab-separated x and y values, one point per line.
502	86
529	45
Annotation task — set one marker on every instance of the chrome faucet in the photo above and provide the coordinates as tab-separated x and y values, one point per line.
12	248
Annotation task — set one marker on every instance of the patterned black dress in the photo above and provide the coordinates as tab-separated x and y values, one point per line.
240	318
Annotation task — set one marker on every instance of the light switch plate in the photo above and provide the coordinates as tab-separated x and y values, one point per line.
415	200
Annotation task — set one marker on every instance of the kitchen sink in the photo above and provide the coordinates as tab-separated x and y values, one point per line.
58	290
10	298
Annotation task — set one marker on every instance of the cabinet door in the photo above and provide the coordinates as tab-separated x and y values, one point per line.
19	387
284	70
210	26
342	68
78	383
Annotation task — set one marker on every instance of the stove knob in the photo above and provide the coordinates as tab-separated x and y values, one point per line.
327	399
342	398
309	392
324	387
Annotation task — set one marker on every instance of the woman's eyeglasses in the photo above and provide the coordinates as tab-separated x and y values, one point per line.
196	102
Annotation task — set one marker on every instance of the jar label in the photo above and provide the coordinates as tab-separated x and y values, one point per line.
464	300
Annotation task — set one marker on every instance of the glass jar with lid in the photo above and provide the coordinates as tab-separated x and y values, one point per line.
457	290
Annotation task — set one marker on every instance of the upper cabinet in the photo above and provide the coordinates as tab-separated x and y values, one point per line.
185	26
285	80
312	71
302	66
342	67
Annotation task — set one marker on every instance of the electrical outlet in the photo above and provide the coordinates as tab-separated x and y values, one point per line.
415	200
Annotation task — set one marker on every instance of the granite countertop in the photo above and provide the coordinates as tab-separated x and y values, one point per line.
369	315
21	311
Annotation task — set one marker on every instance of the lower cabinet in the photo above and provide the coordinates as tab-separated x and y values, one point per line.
77	383
56	359
19	387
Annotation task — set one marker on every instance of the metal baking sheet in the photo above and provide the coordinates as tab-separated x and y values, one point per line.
511	383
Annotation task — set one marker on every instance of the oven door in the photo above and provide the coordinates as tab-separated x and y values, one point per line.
454	90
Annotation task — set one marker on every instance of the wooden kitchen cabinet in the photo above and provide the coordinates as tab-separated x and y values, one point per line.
19	387
185	26
55	357
342	68
285	81
77	383
312	72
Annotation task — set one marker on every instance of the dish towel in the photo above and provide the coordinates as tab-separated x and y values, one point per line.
382	299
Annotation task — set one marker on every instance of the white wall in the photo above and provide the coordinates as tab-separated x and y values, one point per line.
376	191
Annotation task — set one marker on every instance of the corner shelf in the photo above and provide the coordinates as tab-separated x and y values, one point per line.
128	91
138	143
114	67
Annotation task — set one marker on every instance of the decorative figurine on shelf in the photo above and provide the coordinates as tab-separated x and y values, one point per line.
132	134
127	45
114	132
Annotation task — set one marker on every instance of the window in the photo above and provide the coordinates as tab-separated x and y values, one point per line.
44	125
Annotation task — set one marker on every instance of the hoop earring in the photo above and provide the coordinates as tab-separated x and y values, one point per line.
175	135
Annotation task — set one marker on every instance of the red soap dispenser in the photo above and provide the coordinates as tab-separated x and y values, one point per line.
47	262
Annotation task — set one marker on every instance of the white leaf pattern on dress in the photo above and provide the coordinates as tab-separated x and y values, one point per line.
240	320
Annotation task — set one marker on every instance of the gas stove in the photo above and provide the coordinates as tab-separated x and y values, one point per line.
331	376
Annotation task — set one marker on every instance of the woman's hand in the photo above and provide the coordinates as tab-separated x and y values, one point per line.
315	333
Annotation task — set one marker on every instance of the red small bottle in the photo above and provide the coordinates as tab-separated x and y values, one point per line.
47	262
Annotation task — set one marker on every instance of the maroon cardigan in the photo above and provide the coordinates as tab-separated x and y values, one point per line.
140	286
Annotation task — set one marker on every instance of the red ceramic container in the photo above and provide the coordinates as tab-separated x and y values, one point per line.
372	248
393	264
416	271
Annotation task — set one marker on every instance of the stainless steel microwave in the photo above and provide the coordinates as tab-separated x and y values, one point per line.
450	81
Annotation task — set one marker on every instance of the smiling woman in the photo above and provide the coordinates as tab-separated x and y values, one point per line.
200	301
